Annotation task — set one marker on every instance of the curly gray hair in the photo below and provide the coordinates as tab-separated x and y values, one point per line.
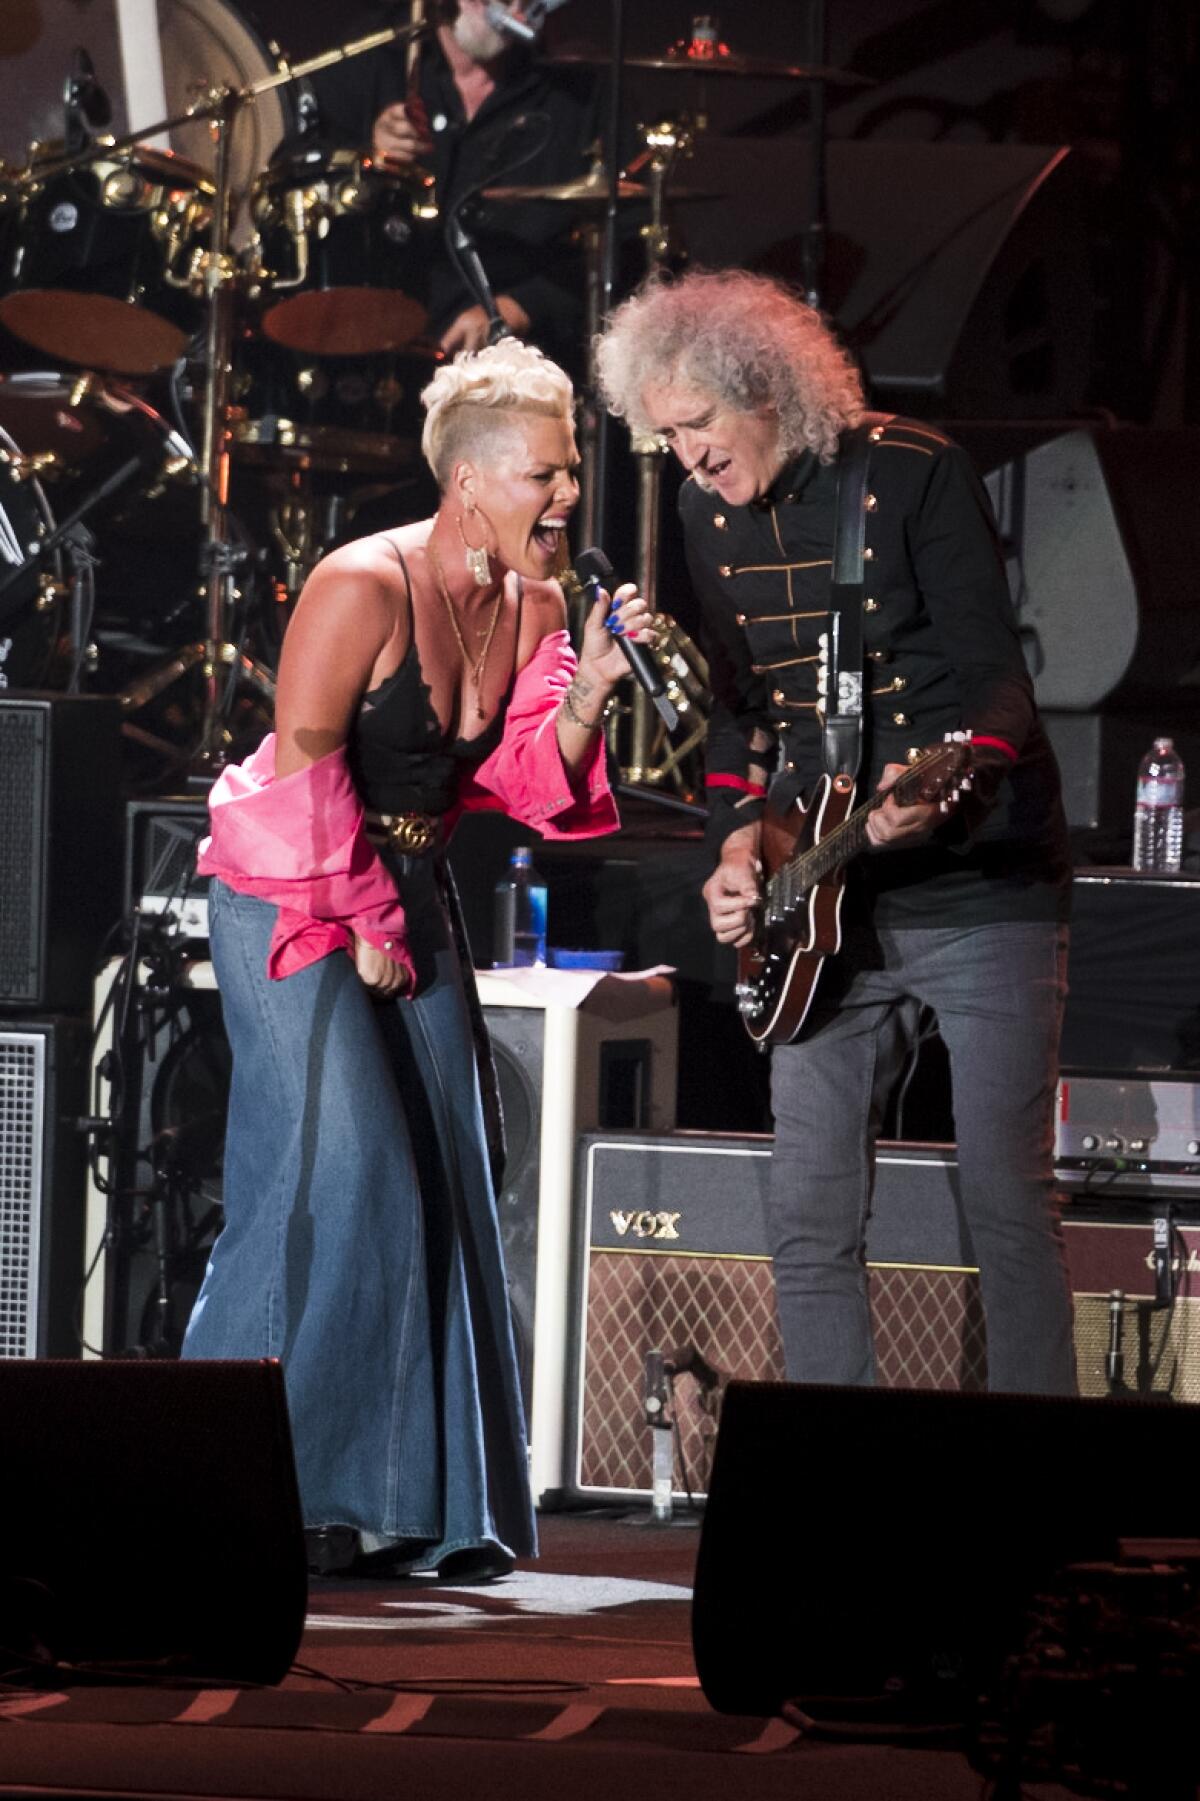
747	340
470	403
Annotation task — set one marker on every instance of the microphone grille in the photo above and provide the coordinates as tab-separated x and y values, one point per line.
593	566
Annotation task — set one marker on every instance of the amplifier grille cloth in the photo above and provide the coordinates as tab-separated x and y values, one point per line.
1161	1346
928	1334
22	1061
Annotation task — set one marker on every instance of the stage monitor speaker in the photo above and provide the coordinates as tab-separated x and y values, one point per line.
43	1095
671	1254
903	1534
150	1520
959	273
60	824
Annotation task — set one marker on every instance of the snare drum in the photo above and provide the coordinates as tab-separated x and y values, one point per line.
342	253
104	263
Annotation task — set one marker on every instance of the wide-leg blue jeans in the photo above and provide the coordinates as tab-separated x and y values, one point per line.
998	993
360	1243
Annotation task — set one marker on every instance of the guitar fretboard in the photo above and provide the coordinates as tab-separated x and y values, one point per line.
796	878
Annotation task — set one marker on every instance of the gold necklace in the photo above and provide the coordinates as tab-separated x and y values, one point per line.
474	670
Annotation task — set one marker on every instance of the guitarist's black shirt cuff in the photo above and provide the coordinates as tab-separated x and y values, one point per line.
727	814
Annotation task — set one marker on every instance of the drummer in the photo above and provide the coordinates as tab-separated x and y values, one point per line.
472	85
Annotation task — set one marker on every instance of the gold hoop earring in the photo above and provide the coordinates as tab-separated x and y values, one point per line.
476	557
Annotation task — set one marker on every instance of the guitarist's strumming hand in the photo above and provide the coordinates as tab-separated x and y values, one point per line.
732	891
891	826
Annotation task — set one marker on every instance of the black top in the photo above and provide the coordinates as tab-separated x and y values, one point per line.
401	759
526	248
942	652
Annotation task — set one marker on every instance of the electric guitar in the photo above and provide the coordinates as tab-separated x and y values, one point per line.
800	914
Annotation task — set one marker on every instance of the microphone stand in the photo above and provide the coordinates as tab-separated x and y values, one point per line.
813	236
465	253
596	532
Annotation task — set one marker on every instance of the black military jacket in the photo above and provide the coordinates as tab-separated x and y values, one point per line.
941	653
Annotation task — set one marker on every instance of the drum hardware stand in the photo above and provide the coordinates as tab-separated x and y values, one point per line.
63	532
666	141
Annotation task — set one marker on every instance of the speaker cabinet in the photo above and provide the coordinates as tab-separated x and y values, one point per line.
904	1534
152	1519
60	824
569	1058
672	1254
43	1094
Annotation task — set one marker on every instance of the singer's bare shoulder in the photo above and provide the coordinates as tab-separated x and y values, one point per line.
543	611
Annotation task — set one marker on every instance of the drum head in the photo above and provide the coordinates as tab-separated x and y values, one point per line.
93	330
346	321
206	41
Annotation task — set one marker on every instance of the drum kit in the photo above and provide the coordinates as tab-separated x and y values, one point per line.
214	356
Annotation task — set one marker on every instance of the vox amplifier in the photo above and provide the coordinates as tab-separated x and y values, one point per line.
672	1256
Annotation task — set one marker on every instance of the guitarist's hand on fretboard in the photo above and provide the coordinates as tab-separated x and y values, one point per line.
890	826
731	894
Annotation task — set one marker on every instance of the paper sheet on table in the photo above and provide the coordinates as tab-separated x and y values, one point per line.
569	987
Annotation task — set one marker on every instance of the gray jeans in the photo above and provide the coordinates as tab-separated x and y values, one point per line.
998	993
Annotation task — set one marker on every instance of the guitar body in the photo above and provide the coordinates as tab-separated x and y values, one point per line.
782	966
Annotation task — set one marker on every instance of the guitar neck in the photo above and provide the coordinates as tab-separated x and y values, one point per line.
803	871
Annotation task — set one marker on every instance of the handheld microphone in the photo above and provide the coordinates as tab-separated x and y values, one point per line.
593	571
528	29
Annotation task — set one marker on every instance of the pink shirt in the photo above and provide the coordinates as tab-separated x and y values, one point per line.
299	840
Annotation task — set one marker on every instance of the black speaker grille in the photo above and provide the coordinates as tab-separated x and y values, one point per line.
22	785
22	1085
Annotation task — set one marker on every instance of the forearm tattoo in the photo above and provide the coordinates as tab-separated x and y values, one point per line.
575	694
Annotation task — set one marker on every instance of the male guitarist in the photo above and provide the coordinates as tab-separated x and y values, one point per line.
957	905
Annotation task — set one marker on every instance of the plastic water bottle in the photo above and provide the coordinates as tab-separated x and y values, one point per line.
1158	815
520	914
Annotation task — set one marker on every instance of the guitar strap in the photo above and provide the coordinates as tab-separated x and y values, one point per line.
842	740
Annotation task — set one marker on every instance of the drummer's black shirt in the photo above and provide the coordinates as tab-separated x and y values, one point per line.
526	247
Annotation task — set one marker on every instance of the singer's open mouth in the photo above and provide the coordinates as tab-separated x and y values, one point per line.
548	533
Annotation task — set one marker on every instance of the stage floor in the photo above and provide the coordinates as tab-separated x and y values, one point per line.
573	1677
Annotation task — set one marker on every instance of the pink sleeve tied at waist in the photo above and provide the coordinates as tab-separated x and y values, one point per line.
525	773
298	841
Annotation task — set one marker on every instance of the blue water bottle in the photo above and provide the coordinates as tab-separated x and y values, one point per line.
520	914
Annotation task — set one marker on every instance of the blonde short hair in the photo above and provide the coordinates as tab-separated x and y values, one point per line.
470	403
747	340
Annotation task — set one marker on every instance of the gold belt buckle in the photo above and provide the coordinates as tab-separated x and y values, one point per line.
411	833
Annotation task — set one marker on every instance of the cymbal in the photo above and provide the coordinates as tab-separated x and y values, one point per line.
761	68
585	190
